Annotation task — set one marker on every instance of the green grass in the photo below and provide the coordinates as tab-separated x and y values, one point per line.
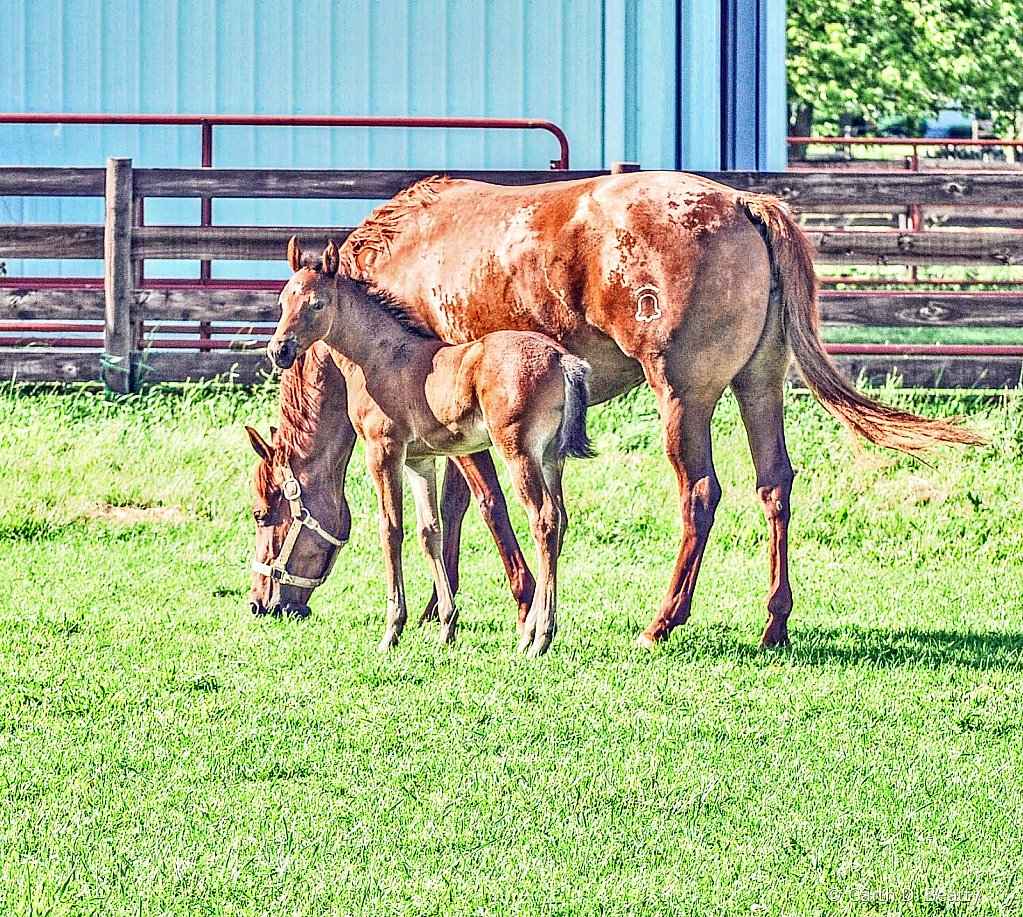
161	752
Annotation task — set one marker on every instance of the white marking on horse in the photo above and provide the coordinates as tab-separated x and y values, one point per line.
647	306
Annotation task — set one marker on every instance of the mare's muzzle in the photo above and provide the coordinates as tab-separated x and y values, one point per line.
278	570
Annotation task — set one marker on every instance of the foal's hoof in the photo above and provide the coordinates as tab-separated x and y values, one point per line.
390	640
447	630
539	646
645	642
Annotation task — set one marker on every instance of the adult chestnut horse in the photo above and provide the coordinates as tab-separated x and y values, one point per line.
668	277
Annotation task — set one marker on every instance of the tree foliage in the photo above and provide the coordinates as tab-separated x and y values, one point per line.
908	58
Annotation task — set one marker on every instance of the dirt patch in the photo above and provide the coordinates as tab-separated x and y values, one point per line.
134	515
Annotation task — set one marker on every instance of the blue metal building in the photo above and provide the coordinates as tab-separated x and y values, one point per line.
695	84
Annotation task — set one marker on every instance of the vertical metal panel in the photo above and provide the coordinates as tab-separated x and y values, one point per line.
753	49
699	136
773	26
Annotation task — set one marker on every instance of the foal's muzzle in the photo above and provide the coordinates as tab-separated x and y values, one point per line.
282	353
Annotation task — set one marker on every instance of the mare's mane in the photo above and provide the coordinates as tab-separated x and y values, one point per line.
375	233
300	401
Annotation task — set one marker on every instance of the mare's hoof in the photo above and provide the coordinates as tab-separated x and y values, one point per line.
429	615
645	642
775	634
389	642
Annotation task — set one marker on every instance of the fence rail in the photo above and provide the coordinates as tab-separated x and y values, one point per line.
143	337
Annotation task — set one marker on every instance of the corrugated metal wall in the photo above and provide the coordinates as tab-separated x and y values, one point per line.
626	79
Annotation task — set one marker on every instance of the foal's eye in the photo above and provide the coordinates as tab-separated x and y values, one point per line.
317	306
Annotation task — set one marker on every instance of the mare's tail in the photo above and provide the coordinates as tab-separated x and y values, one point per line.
792	261
572	438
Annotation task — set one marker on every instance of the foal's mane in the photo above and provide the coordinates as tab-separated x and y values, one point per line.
394	307
387	221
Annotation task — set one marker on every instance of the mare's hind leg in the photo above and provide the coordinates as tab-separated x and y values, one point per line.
422	475
479	476
759	391
685	419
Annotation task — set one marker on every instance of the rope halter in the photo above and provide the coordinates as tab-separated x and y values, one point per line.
300	519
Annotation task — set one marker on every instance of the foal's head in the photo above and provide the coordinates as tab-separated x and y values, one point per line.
307	304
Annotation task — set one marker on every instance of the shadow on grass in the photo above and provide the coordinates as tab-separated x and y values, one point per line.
851	645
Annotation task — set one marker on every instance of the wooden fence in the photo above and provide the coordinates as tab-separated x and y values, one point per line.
126	330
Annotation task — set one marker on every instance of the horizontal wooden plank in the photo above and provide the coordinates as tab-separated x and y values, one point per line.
894	309
935	372
240	243
72	366
73	305
333	184
22	181
996	247
808	190
259	243
51	240
171	366
40	364
886	309
214	305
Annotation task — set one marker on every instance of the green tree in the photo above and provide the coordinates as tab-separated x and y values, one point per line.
908	58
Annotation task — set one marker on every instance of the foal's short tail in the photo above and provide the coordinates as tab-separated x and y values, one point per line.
792	261
572	438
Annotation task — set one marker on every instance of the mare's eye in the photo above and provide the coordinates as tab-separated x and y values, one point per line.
318	306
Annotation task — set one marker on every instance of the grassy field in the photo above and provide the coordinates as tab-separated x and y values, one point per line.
162	752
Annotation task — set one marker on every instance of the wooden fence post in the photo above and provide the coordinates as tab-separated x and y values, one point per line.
120	346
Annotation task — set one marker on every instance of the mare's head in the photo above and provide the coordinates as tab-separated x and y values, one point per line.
307	304
301	514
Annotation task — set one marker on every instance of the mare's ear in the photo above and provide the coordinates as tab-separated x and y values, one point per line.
331	259
294	254
260	445
273	432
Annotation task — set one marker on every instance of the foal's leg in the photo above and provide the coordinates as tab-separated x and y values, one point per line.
422	475
385	463
685	419
759	391
543	507
479	476
540	625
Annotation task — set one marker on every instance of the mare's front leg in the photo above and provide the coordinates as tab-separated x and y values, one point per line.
385	461
422	475
685	419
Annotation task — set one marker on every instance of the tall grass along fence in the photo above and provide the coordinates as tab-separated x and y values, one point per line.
922	257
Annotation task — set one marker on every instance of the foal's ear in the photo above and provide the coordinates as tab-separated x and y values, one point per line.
294	254
331	259
260	445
